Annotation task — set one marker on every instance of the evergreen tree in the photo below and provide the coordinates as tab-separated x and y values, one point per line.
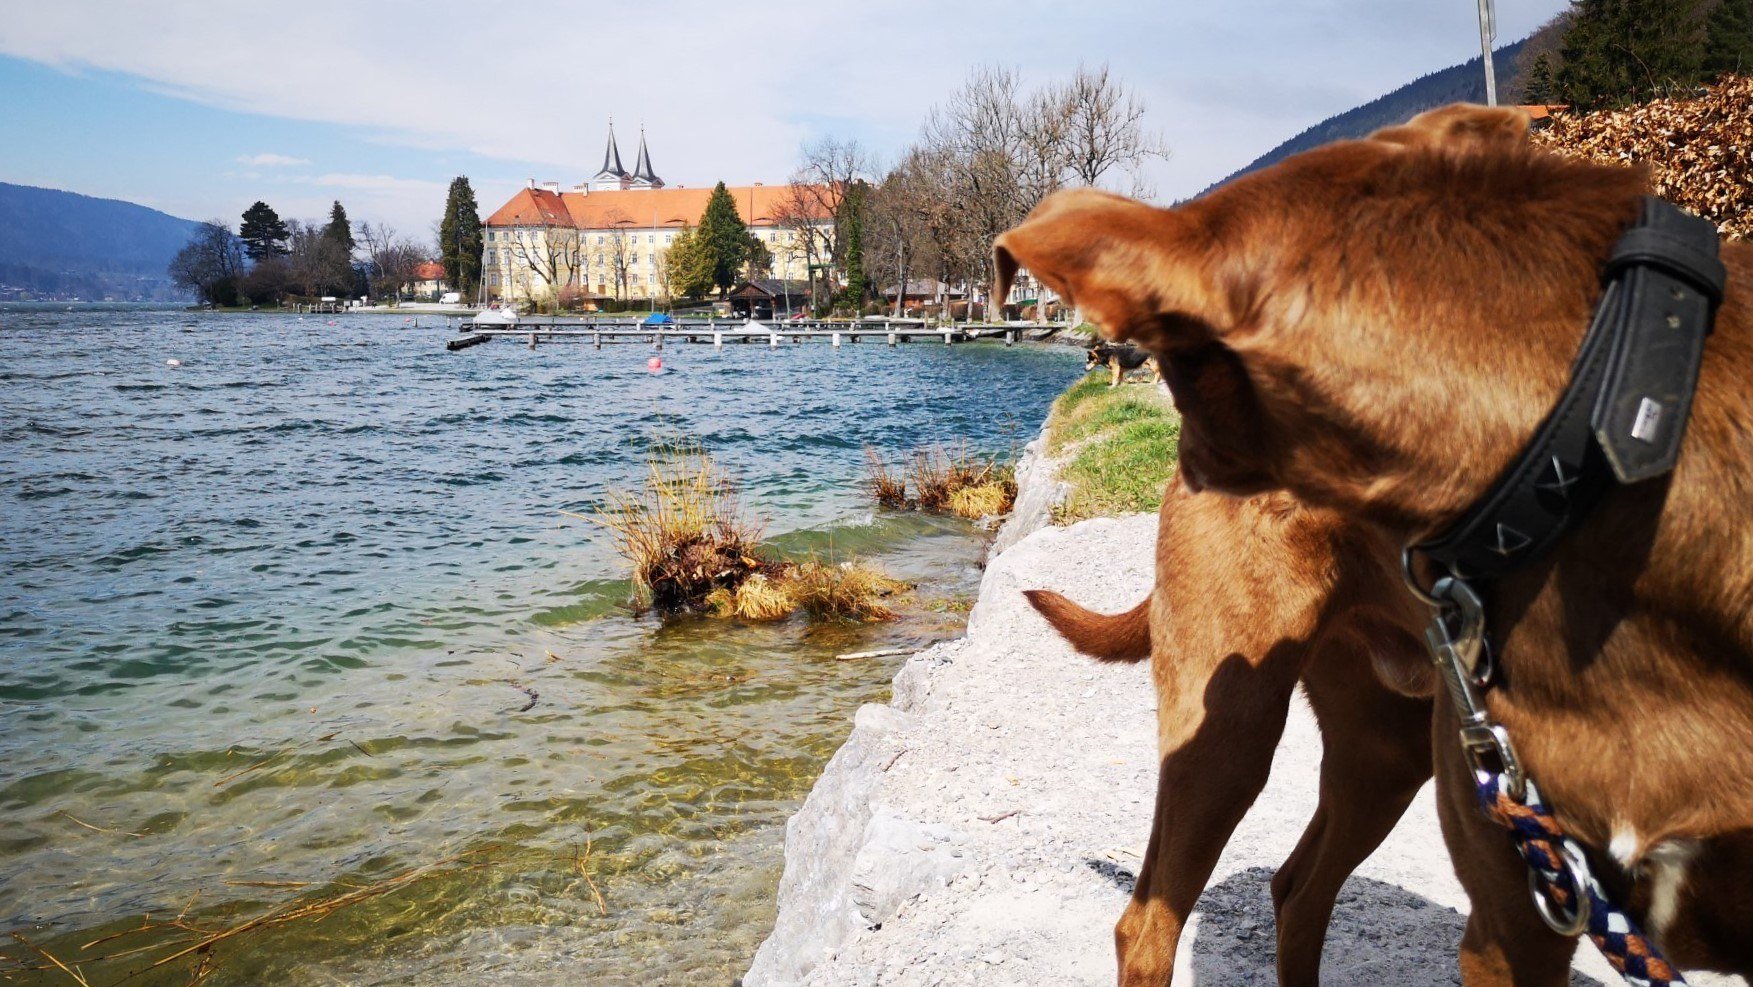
757	259
1619	51
1540	88
724	237
849	218
459	238
263	233
1728	33
689	266
339	230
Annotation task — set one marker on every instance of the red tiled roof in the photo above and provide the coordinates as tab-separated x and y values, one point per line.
429	271
1540	111
759	205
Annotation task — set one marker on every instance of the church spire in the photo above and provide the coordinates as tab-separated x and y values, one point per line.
642	172
612	169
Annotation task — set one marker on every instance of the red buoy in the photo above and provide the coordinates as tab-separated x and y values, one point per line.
655	364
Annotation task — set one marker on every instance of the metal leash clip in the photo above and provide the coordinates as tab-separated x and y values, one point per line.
1566	922
1456	639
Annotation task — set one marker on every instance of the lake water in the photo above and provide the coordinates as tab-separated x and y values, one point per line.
271	620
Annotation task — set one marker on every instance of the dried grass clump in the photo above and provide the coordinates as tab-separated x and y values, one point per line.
960	482
983	501
758	598
692	552
1699	150
887	487
847	591
684	534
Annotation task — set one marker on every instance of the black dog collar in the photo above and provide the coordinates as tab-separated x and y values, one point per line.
1625	411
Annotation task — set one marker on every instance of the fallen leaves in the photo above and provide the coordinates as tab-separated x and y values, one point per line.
1699	151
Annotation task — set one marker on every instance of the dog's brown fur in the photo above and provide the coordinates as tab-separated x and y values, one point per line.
1377	327
1250	597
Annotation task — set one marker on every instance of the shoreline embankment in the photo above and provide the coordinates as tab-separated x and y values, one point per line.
986	825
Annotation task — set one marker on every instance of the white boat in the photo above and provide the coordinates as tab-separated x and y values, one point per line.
755	328
495	318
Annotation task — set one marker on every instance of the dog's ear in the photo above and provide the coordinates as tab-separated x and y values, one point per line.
1125	264
1461	125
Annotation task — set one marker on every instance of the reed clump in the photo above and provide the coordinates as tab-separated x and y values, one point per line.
693	551
942	479
888	487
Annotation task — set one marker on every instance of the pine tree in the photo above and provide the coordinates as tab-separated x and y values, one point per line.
1619	51
339	230
1540	89
689	265
724	237
459	238
263	233
1728	33
849	219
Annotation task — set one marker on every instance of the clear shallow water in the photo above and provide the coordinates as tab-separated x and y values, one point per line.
274	616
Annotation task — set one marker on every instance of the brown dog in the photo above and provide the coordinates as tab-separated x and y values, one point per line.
1250	597
1378	327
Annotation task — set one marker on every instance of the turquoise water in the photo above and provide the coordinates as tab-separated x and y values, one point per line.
302	613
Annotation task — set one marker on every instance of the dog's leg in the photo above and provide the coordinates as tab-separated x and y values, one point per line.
1506	944
1217	733
1376	755
1114	365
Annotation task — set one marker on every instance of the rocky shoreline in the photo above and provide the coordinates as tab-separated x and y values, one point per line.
985	826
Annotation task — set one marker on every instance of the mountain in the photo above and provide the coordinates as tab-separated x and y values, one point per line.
1463	83
65	245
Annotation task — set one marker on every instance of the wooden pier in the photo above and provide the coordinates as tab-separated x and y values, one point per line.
534	333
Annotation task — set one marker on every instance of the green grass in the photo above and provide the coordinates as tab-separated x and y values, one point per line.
1121	443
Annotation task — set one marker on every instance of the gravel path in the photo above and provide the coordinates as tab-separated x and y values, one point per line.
985	828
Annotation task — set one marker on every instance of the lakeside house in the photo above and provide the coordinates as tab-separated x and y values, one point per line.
428	283
606	237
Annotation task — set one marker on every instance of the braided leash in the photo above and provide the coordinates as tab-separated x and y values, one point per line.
1557	863
1565	891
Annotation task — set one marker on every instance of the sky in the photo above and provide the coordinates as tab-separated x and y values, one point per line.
201	107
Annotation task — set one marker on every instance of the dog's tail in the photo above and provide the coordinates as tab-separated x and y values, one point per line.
1104	637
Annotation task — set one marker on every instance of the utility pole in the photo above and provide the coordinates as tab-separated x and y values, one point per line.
1488	34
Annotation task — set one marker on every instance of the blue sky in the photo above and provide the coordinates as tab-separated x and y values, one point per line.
200	107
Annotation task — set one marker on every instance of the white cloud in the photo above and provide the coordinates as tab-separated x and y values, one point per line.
371	182
270	160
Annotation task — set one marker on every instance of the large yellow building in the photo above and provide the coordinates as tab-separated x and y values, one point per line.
606	237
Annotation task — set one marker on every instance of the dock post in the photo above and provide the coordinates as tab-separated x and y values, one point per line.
717	340
532	340
772	340
949	337
892	339
596	339
657	340
1010	337
836	340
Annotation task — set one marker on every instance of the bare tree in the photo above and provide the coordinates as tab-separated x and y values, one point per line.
320	265
802	212
547	253
996	151
390	260
617	252
1103	128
